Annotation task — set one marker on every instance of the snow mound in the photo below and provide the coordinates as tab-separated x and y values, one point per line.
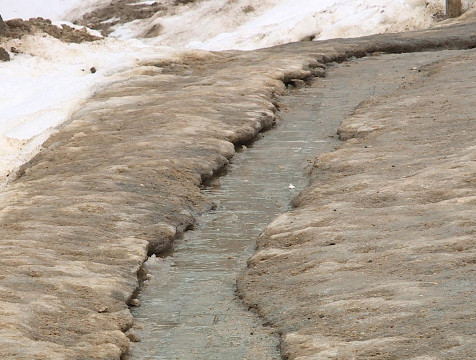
247	25
47	80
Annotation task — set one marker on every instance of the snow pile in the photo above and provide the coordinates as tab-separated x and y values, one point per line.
44	84
247	25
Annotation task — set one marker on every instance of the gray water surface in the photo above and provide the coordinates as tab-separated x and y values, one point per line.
189	308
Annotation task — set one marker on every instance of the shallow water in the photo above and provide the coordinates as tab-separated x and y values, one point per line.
189	308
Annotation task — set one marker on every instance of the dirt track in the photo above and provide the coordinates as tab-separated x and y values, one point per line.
122	180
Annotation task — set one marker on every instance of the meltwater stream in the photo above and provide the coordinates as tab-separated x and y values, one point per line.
189	308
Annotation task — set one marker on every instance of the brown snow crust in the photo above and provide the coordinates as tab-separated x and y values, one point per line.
378	260
122	179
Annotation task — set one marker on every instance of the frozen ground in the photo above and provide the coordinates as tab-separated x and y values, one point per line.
48	79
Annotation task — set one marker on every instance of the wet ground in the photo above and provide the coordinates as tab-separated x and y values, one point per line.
378	259
190	309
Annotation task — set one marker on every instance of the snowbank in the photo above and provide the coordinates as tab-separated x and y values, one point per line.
247	25
44	84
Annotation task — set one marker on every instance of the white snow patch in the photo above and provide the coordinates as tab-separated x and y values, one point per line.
143	3
50	9
111	20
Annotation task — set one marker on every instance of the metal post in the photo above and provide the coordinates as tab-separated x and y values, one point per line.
453	8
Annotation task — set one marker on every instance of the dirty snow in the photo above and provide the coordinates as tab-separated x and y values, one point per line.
247	25
45	84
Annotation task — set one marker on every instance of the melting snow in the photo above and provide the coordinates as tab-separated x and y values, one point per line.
42	86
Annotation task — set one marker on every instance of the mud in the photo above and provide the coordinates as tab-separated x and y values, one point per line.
17	28
122	180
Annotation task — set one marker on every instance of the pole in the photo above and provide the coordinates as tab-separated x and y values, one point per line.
453	8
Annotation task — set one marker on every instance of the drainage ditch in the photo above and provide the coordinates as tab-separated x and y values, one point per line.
189	308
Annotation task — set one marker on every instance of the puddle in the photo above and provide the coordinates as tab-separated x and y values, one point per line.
189	308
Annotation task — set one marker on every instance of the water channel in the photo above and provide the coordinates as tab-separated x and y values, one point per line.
189	308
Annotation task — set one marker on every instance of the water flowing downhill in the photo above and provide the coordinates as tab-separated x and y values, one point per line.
190	309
